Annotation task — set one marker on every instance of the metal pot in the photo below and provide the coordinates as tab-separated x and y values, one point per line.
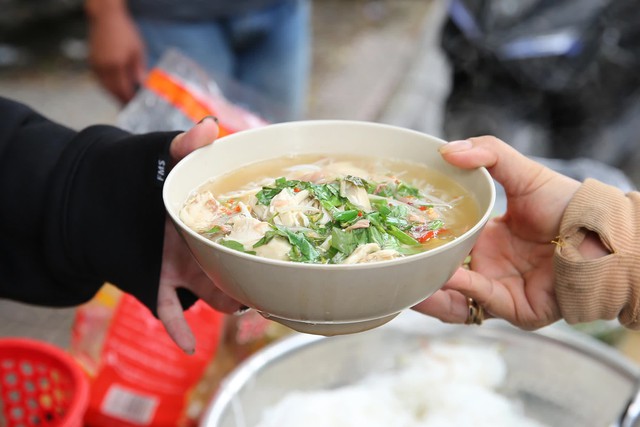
562	378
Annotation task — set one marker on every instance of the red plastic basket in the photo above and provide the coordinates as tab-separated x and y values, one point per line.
40	385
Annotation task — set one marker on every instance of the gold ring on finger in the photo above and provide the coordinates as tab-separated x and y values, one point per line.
475	313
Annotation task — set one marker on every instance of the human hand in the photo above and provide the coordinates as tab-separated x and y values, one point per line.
179	268
511	272
116	49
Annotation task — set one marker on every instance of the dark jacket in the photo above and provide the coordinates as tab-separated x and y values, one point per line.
78	209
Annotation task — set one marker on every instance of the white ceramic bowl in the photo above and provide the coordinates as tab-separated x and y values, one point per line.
324	299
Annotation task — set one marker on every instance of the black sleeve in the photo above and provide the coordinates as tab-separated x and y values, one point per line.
78	209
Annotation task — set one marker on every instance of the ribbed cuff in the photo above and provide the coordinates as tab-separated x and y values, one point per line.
607	287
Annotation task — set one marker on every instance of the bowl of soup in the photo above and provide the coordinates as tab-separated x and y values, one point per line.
328	226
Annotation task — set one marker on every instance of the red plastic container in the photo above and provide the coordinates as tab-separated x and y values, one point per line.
40	385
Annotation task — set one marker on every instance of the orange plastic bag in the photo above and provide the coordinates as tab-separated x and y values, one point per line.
177	93
138	375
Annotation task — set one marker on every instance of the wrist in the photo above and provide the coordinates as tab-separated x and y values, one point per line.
592	247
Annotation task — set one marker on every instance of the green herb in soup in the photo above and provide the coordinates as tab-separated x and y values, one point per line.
323	210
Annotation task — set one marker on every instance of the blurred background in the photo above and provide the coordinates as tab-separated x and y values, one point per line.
361	51
554	79
559	80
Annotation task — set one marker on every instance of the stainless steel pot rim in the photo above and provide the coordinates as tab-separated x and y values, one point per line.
491	331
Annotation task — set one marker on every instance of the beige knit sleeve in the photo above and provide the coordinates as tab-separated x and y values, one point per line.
607	287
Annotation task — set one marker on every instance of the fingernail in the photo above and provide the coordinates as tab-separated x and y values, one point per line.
243	309
214	118
456	146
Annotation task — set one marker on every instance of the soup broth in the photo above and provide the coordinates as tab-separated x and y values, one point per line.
338	209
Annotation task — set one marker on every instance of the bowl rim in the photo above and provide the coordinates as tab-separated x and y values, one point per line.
227	139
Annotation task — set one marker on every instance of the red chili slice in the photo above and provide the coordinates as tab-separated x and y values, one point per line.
422	234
